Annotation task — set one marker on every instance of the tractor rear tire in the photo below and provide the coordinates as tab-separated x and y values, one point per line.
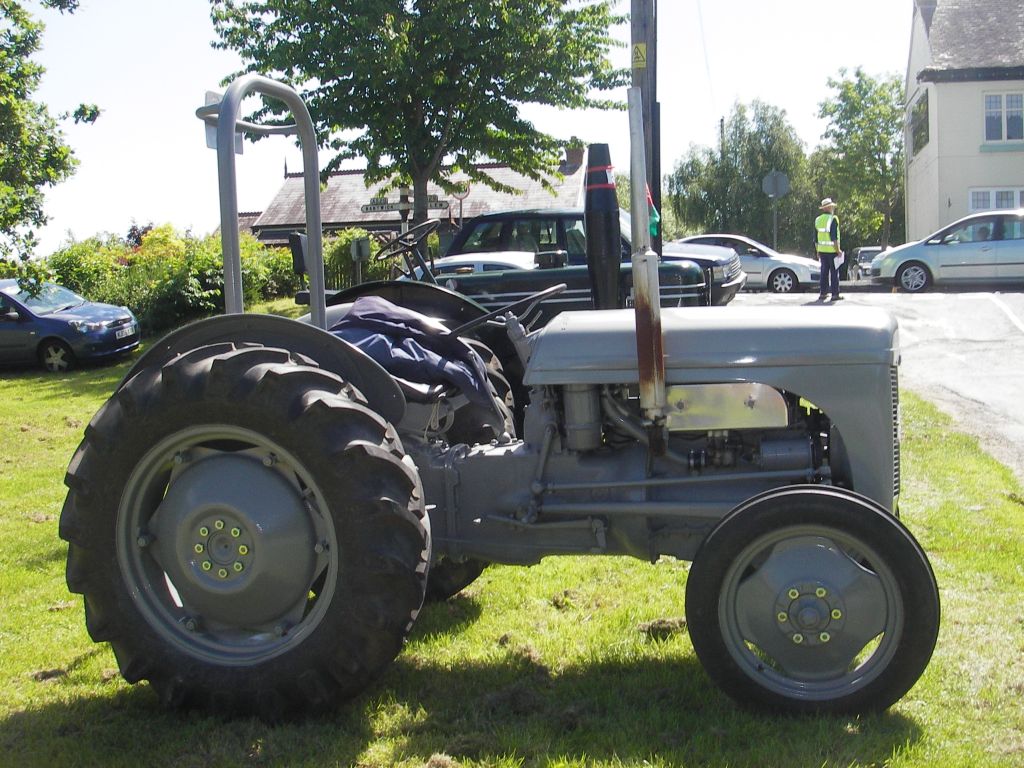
247	535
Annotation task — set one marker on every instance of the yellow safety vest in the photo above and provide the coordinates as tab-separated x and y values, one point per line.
824	226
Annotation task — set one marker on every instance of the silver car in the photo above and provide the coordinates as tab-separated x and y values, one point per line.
980	248
766	267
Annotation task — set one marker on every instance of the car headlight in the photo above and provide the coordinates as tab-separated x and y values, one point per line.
718	273
86	327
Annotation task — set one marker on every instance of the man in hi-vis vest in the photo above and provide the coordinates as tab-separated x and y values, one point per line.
830	255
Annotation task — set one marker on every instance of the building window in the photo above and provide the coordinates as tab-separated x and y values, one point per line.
993	199
919	124
1004	116
1005	198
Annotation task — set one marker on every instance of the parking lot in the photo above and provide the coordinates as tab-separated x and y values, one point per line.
962	350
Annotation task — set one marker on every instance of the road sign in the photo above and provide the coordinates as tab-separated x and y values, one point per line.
435	205
775	184
215	97
383	207
640	56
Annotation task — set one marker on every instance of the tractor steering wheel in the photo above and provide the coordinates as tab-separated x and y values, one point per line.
520	309
407	245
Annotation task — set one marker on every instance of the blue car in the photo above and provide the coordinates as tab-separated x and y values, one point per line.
58	327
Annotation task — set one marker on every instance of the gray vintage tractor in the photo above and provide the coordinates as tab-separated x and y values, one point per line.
257	514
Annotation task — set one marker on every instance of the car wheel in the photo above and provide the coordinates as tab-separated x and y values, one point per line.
56	356
782	281
913	277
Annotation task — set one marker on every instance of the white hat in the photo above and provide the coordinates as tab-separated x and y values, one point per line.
827	203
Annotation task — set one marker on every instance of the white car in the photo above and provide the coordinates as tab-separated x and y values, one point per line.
766	267
472	263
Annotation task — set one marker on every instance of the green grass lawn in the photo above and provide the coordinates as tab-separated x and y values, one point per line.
551	665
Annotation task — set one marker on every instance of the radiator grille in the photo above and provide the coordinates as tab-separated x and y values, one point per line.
894	385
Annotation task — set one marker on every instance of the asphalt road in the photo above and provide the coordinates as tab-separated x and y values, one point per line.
964	351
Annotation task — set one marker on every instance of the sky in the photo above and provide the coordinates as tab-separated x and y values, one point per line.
149	63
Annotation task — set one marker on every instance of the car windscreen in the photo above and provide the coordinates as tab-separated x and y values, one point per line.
50	298
485	236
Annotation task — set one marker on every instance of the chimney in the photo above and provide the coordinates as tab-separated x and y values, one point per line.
574	156
927	9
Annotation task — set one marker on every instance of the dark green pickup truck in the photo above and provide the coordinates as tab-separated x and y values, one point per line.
683	283
561	229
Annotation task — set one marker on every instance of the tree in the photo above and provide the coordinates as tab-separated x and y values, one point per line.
33	155
430	86
720	191
863	155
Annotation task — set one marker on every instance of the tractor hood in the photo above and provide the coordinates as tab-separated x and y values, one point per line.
600	347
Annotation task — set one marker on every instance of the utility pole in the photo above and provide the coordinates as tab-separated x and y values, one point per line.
644	49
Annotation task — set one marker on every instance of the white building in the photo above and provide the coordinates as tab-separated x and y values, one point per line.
965	111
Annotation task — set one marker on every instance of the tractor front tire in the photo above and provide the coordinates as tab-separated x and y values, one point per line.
246	533
812	600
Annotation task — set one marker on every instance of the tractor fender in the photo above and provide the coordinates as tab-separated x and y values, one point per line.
425	298
442	303
330	353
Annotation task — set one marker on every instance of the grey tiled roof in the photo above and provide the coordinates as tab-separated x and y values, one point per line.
341	200
978	35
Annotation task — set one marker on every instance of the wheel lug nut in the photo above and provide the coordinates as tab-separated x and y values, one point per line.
218	524
837	614
280	630
793	593
191	624
824	637
320	547
243	550
236	532
204	531
821	592
782	616
145	539
238	567
207	565
199	549
269	460
222	572
798	638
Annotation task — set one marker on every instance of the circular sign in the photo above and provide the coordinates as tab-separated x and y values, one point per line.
775	184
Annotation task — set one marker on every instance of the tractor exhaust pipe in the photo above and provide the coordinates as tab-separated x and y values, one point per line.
646	289
601	221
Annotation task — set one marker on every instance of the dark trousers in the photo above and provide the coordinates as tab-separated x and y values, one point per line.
829	275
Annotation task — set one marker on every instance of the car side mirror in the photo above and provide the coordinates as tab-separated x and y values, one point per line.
12	315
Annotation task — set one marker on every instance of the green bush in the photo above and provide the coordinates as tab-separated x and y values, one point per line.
171	278
281	279
339	269
84	267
